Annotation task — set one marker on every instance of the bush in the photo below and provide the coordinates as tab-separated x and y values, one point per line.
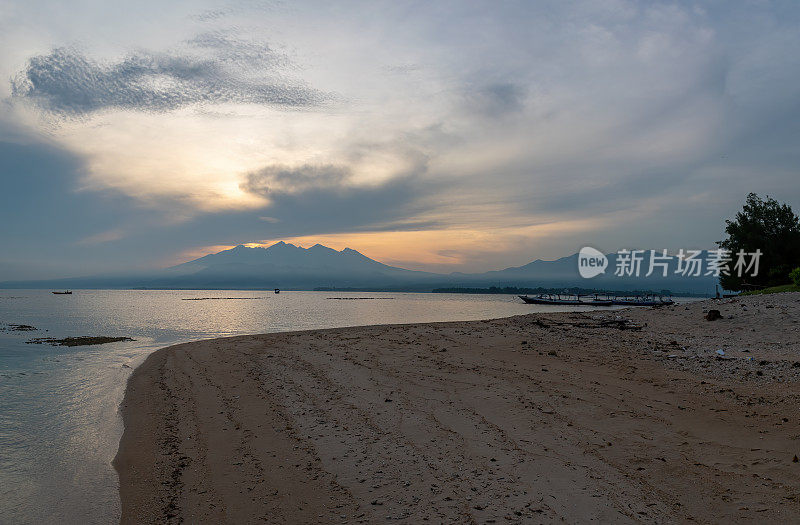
795	276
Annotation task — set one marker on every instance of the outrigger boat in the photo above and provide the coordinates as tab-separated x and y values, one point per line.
596	300
569	300
642	301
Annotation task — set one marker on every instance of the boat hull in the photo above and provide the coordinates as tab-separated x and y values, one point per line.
565	302
616	302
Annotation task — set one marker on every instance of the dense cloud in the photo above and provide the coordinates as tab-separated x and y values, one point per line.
276	180
323	199
618	123
50	224
228	70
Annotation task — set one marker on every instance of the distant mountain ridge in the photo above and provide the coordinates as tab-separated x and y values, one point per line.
287	265
284	265
283	255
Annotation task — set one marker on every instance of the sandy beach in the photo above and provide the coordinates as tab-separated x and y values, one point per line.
637	415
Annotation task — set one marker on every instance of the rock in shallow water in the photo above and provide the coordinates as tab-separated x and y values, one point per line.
85	340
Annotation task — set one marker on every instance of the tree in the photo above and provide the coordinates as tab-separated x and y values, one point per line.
795	276
765	225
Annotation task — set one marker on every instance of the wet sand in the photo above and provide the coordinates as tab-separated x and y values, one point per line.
615	416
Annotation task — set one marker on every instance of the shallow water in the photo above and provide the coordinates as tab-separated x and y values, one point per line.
59	421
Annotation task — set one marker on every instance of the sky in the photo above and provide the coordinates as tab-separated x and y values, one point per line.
439	136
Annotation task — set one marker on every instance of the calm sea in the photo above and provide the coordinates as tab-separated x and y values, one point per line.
59	421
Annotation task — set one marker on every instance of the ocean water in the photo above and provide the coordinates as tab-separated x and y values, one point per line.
59	420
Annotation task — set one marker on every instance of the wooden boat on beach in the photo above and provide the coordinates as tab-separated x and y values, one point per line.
597	300
65	292
642	301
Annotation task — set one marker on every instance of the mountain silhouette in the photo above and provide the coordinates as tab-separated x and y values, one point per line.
287	265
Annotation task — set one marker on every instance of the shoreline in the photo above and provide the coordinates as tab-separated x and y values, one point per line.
538	417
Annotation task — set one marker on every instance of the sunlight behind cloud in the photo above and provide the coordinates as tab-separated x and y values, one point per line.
191	159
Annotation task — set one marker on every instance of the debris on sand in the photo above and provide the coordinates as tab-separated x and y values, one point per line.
585	322
85	340
713	315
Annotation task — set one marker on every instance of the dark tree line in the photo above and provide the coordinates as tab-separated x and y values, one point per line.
769	226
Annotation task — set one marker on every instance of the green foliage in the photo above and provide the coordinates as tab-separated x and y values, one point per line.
795	276
769	226
774	289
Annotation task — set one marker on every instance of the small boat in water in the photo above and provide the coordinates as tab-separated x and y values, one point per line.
566	300
65	292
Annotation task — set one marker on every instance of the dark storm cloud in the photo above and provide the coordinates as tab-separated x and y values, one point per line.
321	198
213	68
277	180
343	209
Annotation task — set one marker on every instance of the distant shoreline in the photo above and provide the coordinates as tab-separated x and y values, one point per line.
458	290
513	290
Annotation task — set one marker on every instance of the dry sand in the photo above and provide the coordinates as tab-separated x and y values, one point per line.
540	418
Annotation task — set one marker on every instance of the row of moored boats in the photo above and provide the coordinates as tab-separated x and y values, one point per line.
597	300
